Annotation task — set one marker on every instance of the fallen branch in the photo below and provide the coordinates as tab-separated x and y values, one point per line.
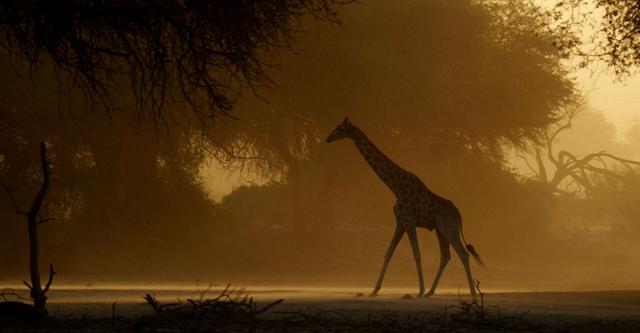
231	305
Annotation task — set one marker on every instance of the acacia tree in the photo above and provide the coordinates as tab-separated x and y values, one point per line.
156	59
443	85
436	95
183	63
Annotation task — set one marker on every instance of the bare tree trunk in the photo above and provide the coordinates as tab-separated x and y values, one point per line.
38	294
39	299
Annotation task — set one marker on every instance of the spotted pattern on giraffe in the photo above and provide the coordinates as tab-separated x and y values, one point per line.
416	207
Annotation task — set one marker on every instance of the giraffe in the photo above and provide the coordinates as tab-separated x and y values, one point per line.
416	207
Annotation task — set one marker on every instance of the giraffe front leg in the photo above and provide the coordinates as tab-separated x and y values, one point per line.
387	257
416	255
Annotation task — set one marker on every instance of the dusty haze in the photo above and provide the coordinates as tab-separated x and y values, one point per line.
450	90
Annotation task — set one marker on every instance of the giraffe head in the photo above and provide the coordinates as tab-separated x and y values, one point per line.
342	131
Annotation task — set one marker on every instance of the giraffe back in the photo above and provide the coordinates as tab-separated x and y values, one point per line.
429	208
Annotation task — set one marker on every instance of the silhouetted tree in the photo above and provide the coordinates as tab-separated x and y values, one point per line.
34	219
117	184
611	31
440	86
420	78
571	173
167	56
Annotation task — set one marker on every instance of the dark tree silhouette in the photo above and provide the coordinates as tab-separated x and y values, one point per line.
163	55
621	26
612	31
564	172
37	292
443	85
440	95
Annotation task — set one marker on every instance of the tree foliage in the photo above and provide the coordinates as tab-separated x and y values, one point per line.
441	87
156	60
610	31
420	78
117	185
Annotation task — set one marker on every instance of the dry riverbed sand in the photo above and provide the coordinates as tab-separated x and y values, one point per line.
342	310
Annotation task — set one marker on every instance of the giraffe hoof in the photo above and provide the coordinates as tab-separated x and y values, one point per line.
373	294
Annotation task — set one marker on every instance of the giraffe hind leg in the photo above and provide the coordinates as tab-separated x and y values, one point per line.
452	233
464	257
445	256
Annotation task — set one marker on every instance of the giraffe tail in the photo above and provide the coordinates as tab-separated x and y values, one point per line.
470	247
475	254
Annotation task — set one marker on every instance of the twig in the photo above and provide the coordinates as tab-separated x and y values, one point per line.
27	284
10	292
45	220
51	274
14	202
151	300
266	308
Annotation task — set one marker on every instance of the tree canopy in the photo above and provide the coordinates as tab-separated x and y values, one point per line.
610	31
442	87
431	76
156	60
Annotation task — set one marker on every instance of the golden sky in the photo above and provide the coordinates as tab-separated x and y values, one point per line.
619	101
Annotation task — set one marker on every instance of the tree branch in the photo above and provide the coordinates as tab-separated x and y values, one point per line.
10	292
579	169
531	168
27	284
48	219
50	280
198	53
46	176
541	167
15	203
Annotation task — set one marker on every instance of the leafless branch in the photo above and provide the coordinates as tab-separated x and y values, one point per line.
10	292
45	220
195	53
50	280
27	284
38	295
578	170
526	161
14	202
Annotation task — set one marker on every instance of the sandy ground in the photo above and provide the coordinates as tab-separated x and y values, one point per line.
598	304
599	311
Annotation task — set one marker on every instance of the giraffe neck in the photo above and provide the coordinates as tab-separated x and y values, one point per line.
385	168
